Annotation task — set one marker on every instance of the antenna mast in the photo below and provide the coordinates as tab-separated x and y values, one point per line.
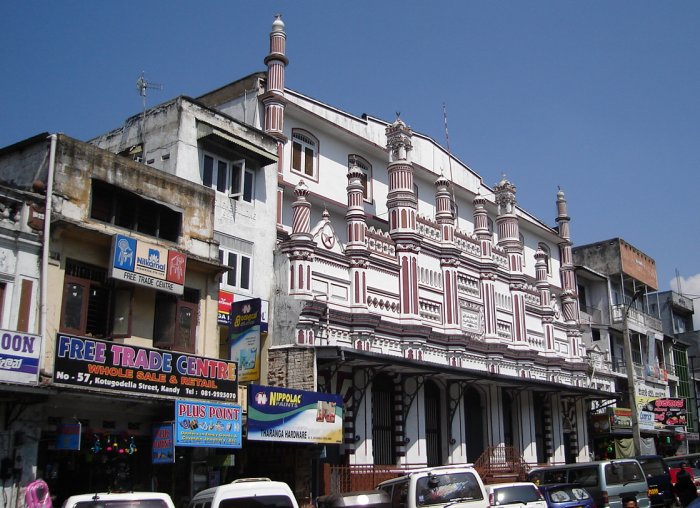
449	156
142	85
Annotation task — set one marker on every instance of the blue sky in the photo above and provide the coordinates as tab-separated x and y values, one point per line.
598	97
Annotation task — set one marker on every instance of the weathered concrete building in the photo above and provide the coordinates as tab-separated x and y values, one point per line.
131	272
616	288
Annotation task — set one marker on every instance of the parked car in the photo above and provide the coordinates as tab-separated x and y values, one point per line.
259	492
608	481
120	500
658	477
458	486
515	495
566	495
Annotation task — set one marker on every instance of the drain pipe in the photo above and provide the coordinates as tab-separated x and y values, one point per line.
45	246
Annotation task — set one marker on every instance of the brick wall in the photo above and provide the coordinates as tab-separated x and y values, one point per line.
291	367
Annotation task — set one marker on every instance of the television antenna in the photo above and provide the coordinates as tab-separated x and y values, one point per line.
142	86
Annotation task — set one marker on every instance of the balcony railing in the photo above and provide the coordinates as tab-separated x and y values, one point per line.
635	316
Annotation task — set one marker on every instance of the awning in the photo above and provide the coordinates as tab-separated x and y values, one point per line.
260	154
358	358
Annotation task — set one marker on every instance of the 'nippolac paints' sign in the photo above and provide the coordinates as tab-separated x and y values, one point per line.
93	363
149	265
294	416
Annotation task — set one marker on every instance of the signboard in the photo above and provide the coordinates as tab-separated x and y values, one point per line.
19	357
93	363
226	299
68	436
244	338
294	416
163	444
224	313
147	264
621	418
646	420
668	411
208	425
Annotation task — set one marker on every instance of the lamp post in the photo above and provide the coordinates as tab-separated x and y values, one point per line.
631	385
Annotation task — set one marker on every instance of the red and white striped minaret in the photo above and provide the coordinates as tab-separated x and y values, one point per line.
300	248
273	98
569	296
449	255
543	288
356	250
488	277
509	240
402	206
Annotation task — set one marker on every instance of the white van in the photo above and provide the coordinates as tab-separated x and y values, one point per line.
120	500
458	486
246	493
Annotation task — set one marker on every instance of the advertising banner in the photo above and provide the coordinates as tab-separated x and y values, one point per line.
68	436
93	363
294	416
147	264
163	444
668	411
621	418
19	357
224	311
244	338
208	425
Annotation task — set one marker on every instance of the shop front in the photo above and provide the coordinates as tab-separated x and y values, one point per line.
115	419
611	432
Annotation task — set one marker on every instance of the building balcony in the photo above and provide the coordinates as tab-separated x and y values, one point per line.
635	318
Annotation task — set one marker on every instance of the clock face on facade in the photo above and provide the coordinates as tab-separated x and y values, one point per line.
327	237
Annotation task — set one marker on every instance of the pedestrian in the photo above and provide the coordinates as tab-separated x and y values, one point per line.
629	502
686	491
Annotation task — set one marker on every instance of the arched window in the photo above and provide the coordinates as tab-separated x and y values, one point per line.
522	246
548	259
304	153
366	168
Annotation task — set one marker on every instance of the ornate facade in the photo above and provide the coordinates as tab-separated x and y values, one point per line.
445	314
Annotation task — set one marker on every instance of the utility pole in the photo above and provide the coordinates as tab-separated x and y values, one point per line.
631	383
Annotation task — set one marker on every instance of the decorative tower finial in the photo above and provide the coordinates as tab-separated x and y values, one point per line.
276	61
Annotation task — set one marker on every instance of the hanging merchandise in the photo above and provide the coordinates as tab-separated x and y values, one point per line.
132	447
97	444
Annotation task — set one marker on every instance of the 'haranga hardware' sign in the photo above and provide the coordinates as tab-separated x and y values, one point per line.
93	363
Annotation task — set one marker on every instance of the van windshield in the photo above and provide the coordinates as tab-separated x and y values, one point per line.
443	488
622	473
276	501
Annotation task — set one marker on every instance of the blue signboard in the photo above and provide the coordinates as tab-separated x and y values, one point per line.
68	436
208	425
294	416
163	444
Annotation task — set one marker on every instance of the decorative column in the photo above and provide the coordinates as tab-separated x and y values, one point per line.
300	247
509	240
569	297
402	206
356	249
488	275
545	300
273	99
449	255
